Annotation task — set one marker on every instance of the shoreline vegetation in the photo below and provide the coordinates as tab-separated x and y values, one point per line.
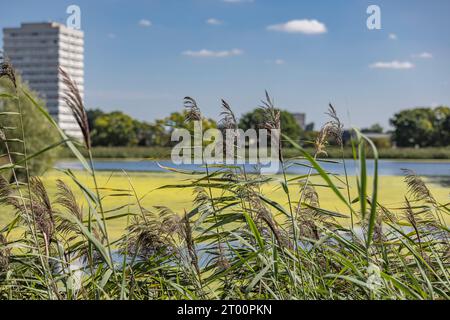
164	153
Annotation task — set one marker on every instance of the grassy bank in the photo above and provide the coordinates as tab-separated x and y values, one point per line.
164	153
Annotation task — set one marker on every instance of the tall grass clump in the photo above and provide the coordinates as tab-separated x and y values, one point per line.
233	242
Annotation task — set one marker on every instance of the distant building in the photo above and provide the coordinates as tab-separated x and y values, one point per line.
37	50
374	136
301	119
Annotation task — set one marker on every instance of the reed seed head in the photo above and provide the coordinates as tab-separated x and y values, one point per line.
74	101
4	253
417	187
332	128
7	70
193	111
272	115
228	120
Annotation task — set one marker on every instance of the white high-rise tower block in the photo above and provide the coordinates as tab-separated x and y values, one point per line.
37	51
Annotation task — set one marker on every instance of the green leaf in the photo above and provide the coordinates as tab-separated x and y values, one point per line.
322	172
103	251
5	95
254	230
374	199
257	278
400	285
362	178
275	205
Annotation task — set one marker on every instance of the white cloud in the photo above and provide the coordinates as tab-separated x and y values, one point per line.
112	35
204	53
393	36
214	22
423	55
279	61
395	65
300	26
145	23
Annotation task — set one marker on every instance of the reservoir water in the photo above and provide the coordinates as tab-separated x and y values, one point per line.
385	167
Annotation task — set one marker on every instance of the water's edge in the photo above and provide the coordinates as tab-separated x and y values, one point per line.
385	167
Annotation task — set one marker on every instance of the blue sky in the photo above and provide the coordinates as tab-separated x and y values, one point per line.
143	57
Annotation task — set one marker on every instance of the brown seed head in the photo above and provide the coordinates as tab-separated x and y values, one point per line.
74	101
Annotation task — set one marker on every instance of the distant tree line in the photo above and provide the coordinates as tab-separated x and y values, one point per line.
116	129
419	127
422	127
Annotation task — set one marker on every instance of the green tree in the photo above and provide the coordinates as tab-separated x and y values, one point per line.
161	135
446	131
255	119
92	115
146	133
376	128
114	129
424	127
38	132
442	125
176	120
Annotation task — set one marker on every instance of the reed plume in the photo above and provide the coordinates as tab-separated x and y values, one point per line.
332	128
307	216
272	115
228	124
272	120
378	236
228	120
2	135
66	198
5	190
42	209
265	222
192	252
74	101
193	111
417	188
153	233
4	253
39	202
7	70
